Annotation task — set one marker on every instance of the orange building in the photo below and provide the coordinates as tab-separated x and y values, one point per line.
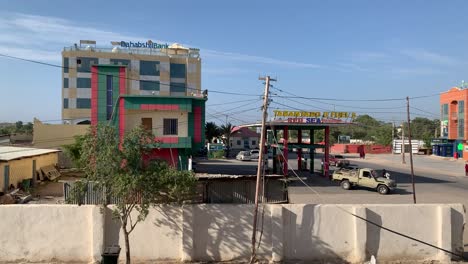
453	124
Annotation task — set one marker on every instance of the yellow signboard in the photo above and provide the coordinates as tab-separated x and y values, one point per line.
279	113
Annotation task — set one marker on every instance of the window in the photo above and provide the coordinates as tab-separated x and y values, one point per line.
177	70
109	94
238	142
84	64
147	123
83	82
65	65
149	85
444	112
65	103
170	126
254	142
83	103
149	68
65	82
120	62
177	87
461	128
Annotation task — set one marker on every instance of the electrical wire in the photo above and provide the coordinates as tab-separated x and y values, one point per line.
125	78
364	219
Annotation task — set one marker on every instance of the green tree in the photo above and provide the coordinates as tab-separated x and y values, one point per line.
212	131
383	134
73	151
226	131
117	168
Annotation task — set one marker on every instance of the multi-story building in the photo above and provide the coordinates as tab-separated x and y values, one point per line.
154	85
453	124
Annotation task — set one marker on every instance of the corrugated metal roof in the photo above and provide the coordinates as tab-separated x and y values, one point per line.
11	153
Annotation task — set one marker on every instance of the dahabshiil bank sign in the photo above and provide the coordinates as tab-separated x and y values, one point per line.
149	44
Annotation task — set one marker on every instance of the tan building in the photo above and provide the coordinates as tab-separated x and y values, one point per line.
18	164
55	135
151	69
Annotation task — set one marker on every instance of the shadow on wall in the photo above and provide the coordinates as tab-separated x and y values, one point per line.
113	226
457	220
373	233
302	241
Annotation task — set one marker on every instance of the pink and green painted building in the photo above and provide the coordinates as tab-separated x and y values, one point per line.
176	120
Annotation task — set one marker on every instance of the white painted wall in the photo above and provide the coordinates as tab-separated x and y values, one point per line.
42	233
206	232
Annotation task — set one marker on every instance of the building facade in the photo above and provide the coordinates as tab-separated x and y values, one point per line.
242	138
151	69
453	124
128	86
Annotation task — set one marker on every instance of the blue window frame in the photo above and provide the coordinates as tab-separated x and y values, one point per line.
120	62
149	68
66	64
83	82
83	103
109	96
65	82
65	103
178	70
84	64
177	87
149	85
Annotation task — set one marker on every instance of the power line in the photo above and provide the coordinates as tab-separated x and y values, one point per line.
318	101
125	78
362	218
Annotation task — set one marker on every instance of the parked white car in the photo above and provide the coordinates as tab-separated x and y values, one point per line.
254	153
243	155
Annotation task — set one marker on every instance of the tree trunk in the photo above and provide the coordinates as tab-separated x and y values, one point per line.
127	243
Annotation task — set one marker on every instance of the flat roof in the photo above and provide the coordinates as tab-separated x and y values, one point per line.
11	153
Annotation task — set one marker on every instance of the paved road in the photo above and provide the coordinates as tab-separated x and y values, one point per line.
437	180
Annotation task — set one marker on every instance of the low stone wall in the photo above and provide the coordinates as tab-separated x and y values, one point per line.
221	232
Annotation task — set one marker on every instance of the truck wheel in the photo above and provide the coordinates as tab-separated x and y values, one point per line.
382	189
345	185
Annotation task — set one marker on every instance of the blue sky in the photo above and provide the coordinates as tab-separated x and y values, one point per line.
321	49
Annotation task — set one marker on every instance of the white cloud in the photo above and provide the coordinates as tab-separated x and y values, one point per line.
428	56
37	36
258	59
369	56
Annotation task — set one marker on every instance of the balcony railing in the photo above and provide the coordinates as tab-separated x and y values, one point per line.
191	53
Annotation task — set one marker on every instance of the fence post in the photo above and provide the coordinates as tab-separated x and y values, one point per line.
277	238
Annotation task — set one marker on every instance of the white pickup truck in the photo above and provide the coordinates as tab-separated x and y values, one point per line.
364	177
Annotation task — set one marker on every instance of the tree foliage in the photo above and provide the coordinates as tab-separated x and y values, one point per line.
117	169
212	131
369	129
18	127
226	131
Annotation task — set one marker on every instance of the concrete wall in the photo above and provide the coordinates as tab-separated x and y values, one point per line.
54	136
206	232
45	233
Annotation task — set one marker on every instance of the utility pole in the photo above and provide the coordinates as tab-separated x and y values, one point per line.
260	162
411	149
393	137
403	143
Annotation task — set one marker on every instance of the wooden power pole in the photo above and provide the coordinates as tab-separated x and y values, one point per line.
260	162
411	149
403	143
